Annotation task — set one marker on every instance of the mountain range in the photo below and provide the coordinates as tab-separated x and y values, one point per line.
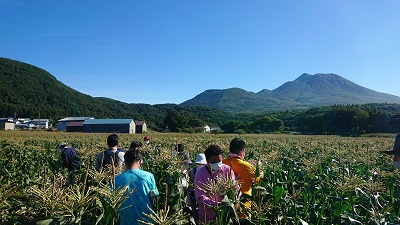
306	91
27	90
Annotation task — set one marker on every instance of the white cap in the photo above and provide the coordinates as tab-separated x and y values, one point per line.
201	159
62	144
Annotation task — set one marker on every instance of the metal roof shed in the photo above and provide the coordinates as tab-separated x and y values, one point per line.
75	126
109	126
63	123
141	127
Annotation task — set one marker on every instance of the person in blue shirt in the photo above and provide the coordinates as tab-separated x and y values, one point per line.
143	184
70	160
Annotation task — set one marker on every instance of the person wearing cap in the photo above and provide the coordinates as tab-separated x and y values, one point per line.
146	140
141	188
191	198
70	160
180	151
183	183
244	171
395	152
113	153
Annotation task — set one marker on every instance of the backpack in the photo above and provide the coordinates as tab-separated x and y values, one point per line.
108	156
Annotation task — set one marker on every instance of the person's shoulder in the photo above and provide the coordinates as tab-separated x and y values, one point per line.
122	176
141	172
246	163
201	171
72	149
100	154
225	167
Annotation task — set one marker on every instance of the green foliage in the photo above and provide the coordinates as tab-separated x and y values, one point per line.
347	180
29	91
305	92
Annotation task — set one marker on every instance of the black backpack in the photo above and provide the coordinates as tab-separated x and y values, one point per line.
108	156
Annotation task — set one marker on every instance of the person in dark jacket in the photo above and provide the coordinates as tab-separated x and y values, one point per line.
395	152
70	160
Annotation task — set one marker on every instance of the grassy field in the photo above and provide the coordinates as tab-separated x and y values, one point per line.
308	179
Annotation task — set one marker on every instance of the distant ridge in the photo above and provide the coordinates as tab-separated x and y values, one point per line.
306	91
29	91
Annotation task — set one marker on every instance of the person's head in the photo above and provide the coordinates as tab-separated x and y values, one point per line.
133	158
186	160
237	146
62	145
214	157
395	152
112	140
135	145
180	148
200	160
146	139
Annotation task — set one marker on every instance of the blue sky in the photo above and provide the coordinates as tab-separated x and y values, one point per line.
169	51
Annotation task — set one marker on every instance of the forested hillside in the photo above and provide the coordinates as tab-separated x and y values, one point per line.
305	92
28	91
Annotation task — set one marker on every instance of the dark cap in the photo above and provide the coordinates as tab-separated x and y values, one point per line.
396	147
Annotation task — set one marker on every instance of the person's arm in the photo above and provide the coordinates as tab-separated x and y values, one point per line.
64	158
121	158
154	186
233	177
98	163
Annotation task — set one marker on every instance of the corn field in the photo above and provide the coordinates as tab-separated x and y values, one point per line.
307	179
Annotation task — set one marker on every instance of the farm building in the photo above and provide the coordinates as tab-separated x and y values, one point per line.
23	120
63	123
207	128
141	127
109	126
7	125
23	126
40	123
76	126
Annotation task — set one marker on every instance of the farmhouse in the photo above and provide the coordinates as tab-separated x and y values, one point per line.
40	123
207	128
5	124
63	123
109	126
141	127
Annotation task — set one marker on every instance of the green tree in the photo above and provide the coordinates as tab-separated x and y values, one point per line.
231	126
346	120
175	121
267	124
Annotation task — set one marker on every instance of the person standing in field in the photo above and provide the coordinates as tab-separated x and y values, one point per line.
210	175
140	185
244	171
146	140
135	145
70	160
191	197
112	155
395	152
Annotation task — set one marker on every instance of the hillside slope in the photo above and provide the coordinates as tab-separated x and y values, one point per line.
29	91
306	91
